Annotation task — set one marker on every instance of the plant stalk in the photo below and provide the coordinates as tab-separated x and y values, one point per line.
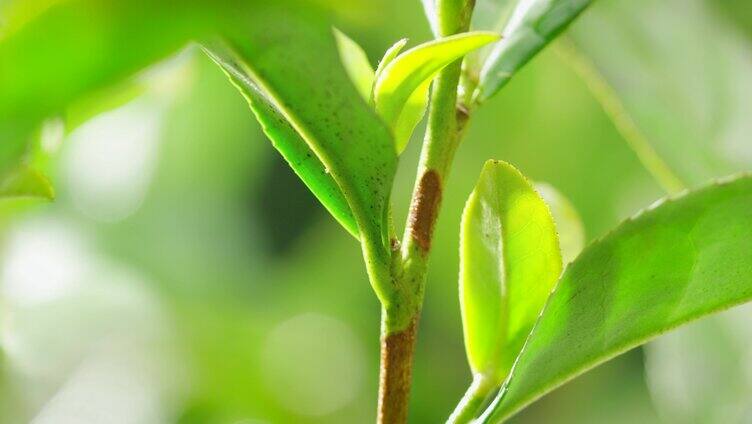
400	316
472	401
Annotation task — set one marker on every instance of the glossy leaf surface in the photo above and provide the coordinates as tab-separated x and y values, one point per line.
509	262
677	261
413	70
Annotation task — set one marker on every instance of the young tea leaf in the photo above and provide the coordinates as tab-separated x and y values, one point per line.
389	55
531	25
509	262
677	261
356	64
412	71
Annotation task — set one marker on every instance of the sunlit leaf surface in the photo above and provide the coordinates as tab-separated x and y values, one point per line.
675	262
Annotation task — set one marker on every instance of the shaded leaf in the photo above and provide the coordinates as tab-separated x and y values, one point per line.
677	261
568	222
414	69
356	64
509	262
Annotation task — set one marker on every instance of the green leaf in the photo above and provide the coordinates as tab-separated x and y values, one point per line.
287	141
413	70
292	57
509	262
356	64
54	53
675	262
568	222
389	55
23	181
531	25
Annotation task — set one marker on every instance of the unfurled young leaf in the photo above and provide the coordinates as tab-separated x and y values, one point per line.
568	222
356	64
389	55
411	72
675	262
509	262
23	181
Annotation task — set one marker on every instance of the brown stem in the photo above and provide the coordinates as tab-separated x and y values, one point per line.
396	373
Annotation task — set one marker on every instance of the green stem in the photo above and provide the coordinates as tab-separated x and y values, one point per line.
617	112
400	313
472	401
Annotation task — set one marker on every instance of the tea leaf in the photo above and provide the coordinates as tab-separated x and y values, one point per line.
67	49
509	262
287	141
531	25
413	70
675	262
356	64
568	222
292	58
389	55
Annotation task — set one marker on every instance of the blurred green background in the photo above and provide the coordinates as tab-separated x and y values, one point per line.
184	274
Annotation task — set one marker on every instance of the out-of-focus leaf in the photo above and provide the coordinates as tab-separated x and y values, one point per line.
568	222
528	27
287	141
23	181
292	57
509	262
413	70
682	74
699	373
356	64
677	261
63	50
101	101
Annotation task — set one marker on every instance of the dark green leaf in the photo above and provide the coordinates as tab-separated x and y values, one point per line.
675	262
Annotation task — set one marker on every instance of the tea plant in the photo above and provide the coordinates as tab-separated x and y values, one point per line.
342	125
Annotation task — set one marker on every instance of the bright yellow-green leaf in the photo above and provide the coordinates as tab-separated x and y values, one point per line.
568	222
389	55
411	69
356	64
509	262
23	181
677	261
